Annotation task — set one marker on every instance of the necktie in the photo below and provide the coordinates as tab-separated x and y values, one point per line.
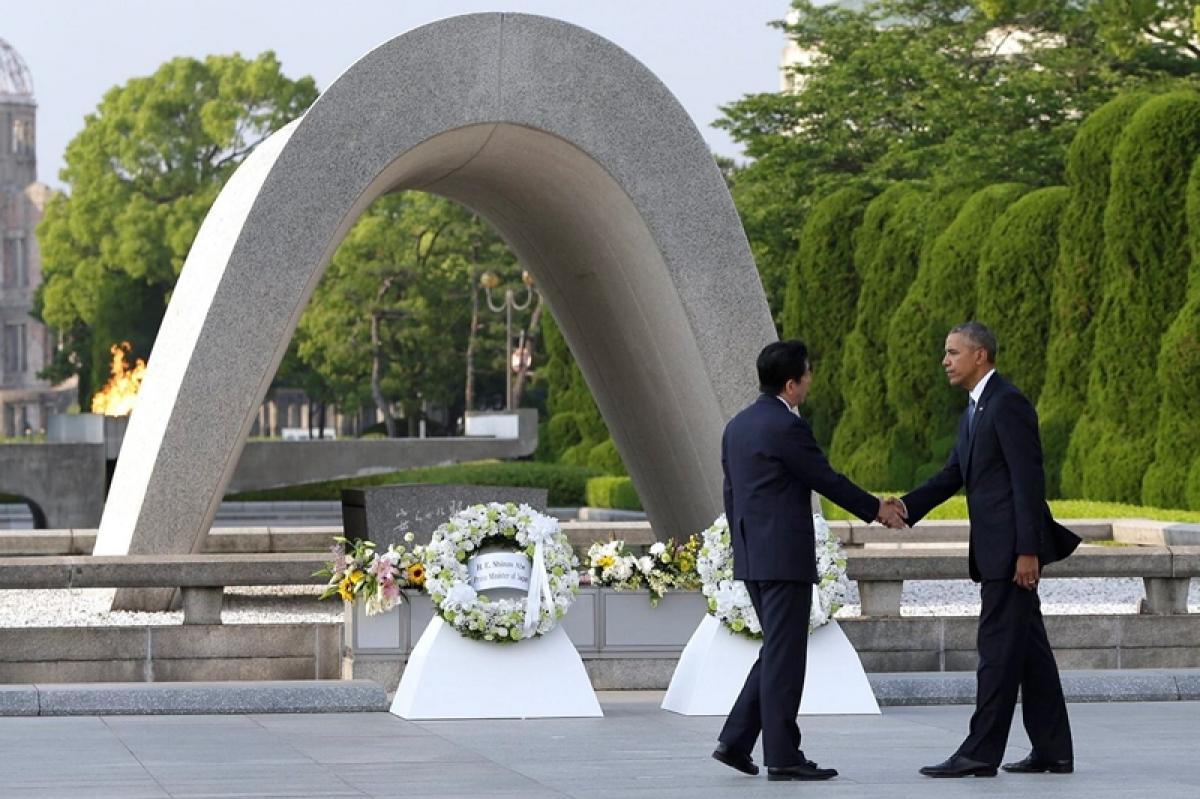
970	417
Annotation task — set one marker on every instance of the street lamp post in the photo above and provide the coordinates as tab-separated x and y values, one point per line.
489	281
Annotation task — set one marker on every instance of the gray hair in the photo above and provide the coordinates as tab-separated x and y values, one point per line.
979	335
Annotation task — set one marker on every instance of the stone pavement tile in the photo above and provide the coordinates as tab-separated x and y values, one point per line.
338	724
384	751
147	789
251	779
208	745
434	779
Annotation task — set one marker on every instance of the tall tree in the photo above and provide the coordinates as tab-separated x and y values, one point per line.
1145	270
888	251
951	90
1075	286
389	322
1173	479
140	178
1015	268
822	292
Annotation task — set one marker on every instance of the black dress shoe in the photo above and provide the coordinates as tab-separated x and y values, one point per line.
959	766
1035	764
735	759
807	770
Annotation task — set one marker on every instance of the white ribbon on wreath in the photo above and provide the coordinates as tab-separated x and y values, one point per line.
539	595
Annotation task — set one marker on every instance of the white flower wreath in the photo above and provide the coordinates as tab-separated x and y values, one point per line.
728	599
506	525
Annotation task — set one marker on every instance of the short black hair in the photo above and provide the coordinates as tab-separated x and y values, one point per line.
779	362
978	334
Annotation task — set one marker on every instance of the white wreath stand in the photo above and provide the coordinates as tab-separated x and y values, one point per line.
449	676
715	662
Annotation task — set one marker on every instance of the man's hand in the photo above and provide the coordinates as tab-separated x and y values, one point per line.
1028	572
892	513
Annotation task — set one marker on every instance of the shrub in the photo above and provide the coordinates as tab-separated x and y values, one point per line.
604	459
822	291
1177	440
943	295
1075	287
1145	270
575	426
1014	272
612	492
888	251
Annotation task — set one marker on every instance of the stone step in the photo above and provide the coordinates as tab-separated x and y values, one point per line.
1098	685
190	698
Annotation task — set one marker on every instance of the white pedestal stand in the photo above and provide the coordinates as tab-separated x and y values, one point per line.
449	676
715	663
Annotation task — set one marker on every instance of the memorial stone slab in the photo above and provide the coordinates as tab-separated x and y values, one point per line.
384	514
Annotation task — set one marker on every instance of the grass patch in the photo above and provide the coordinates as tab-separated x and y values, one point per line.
956	508
567	485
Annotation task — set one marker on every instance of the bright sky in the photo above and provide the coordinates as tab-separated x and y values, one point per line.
708	52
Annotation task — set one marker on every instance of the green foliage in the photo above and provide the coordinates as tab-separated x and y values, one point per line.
887	255
822	291
1075	294
1015	269
909	89
575	427
141	176
1177	441
612	492
567	485
943	295
1145	271
605	459
402	275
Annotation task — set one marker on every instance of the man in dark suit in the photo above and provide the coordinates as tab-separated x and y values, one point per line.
772	464
998	457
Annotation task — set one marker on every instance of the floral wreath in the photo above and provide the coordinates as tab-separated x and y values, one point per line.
510	526
728	599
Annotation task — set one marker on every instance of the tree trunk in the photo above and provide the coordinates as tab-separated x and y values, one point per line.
469	394
389	423
531	334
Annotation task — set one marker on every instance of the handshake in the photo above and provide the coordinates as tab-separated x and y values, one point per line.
892	513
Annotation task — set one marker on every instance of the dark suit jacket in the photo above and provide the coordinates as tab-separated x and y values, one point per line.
1001	466
772	463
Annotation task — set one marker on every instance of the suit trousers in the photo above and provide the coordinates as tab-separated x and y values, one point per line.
1014	652
770	698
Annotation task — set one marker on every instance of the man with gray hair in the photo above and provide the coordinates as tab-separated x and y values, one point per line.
998	458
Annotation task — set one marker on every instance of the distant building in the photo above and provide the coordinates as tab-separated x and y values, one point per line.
26	345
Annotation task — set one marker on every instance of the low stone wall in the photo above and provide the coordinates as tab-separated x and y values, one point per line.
1080	642
165	653
627	644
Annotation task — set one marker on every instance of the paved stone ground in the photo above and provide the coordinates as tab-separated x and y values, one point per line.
637	750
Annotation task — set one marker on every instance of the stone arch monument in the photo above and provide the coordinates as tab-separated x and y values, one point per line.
579	157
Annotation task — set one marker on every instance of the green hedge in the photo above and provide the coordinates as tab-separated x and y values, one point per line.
956	508
1145	270
888	251
1075	286
1015	269
612	492
567	484
822	291
943	295
1173	480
